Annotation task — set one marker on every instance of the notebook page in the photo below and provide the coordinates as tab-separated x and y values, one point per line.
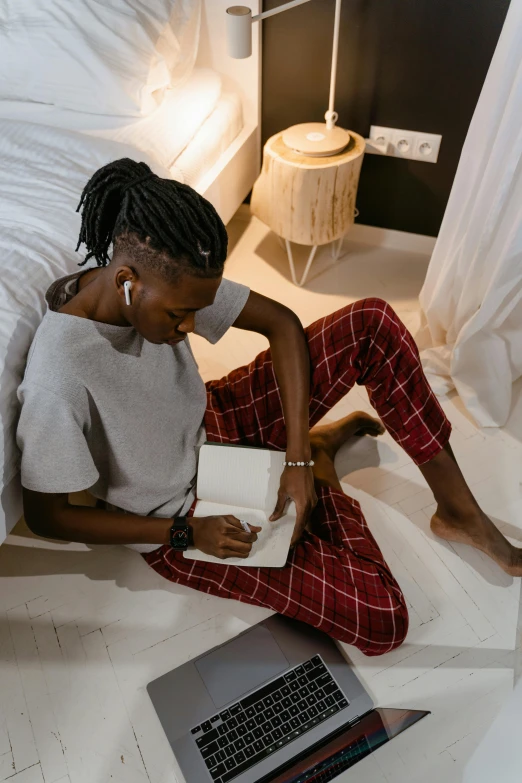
273	542
238	476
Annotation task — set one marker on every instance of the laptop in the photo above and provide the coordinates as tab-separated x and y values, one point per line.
277	703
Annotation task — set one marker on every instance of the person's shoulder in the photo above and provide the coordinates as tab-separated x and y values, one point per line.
56	336
230	286
56	354
212	322
231	294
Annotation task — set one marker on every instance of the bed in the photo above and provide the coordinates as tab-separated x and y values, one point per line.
205	132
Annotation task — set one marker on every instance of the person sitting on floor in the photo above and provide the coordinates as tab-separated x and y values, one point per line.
112	401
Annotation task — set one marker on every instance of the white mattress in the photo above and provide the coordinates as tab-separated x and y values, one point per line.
214	137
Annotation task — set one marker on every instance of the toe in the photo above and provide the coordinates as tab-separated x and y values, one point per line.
371	427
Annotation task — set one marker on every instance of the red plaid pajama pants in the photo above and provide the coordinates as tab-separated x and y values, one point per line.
335	579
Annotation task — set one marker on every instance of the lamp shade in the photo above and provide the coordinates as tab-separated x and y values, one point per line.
239	31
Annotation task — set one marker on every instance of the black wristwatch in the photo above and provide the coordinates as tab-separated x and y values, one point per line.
181	535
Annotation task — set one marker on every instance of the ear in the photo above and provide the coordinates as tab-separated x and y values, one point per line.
125	280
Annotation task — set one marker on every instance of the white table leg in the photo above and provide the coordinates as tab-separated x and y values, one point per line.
292	266
291	261
308	265
336	248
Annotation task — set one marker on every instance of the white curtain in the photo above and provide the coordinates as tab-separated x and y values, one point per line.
472	297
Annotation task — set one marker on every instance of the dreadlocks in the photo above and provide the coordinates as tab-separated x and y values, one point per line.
157	222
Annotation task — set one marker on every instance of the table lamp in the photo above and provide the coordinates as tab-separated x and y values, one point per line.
310	138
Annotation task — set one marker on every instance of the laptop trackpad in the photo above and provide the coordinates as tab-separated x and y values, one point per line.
241	665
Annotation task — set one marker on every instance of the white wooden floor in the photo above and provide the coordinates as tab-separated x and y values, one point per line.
84	629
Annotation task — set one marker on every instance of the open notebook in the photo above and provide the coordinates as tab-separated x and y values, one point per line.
243	481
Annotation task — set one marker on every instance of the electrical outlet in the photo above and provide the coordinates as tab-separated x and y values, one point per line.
427	147
396	143
381	137
403	143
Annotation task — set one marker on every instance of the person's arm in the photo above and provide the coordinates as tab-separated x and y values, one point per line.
291	361
52	516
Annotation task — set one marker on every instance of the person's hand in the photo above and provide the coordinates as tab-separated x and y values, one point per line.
222	536
296	484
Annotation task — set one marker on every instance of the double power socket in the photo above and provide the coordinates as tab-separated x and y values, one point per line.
403	144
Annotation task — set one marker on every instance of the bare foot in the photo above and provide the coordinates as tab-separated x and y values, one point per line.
329	438
477	530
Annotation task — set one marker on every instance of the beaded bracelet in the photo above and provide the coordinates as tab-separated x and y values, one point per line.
308	464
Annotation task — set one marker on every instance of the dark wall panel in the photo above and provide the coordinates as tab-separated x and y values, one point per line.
412	64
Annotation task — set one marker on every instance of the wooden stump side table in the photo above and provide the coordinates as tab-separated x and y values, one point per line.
308	200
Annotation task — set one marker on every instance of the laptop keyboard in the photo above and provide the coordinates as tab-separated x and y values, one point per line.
232	741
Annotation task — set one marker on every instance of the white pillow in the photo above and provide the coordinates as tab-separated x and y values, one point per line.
99	56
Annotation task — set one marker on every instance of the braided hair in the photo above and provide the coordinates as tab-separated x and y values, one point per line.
160	223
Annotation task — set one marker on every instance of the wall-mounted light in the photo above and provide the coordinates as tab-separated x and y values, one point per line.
311	138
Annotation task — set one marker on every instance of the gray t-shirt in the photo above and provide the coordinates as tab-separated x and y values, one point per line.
105	410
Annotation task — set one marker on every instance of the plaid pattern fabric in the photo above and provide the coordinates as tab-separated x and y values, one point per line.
336	578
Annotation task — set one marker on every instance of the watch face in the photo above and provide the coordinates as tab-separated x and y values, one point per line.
179	538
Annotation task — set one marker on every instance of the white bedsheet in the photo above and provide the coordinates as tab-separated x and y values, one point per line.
213	138
163	135
43	172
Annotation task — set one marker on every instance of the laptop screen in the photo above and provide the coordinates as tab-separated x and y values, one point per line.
347	747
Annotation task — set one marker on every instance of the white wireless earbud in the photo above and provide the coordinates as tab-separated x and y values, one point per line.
127	287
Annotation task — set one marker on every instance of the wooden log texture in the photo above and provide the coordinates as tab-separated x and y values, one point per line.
307	200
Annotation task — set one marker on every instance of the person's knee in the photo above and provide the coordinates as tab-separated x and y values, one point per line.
379	631
376	312
376	319
387	629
